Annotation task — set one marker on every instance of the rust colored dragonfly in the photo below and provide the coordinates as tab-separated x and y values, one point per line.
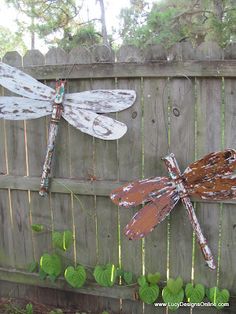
210	178
82	110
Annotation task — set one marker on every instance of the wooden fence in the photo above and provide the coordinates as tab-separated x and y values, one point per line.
191	92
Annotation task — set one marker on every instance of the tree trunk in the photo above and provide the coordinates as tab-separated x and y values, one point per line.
103	21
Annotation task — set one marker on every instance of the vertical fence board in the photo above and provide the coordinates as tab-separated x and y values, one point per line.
36	135
22	237
228	248
155	147
130	161
182	128
81	166
208	140
105	164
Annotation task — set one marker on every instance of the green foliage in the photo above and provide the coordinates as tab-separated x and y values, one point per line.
128	277
170	21
51	265
173	293
105	275
76	277
62	240
29	308
218	297
149	293
33	267
153	278
149	290
10	41
85	35
194	294
142	280
37	227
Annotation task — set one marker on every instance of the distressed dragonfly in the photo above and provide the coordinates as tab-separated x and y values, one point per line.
79	109
210	178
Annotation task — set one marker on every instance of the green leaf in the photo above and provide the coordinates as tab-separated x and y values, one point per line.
119	272
62	240
33	267
42	274
128	277
175	285
142	281
105	275
172	299
75	276
51	264
194	294
37	227
218	297
29	308
149	294
153	278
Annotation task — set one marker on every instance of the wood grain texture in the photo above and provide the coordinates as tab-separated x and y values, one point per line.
82	166
182	129
155	93
106	167
122	69
228	237
130	161
208	140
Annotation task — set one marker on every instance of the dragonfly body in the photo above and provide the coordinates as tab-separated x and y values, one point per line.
210	178
57	110
82	110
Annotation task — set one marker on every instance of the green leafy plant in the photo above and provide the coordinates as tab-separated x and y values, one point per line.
62	240
76	277
29	308
148	291
218	297
105	275
37	227
153	278
194	294
173	293
51	265
33	267
128	277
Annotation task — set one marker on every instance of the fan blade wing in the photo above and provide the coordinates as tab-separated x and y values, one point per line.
212	166
95	125
140	191
150	215
101	101
24	84
218	189
19	108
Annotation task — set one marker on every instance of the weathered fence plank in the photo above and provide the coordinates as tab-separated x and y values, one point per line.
208	140
182	142
228	229
155	93
130	161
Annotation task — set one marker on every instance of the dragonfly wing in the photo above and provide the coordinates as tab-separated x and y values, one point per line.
140	191
150	215
19	108
101	101
23	84
93	124
212	166
218	189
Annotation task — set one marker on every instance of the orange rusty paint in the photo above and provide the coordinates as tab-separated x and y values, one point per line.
140	191
208	178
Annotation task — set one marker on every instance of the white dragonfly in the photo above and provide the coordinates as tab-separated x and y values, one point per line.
82	110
